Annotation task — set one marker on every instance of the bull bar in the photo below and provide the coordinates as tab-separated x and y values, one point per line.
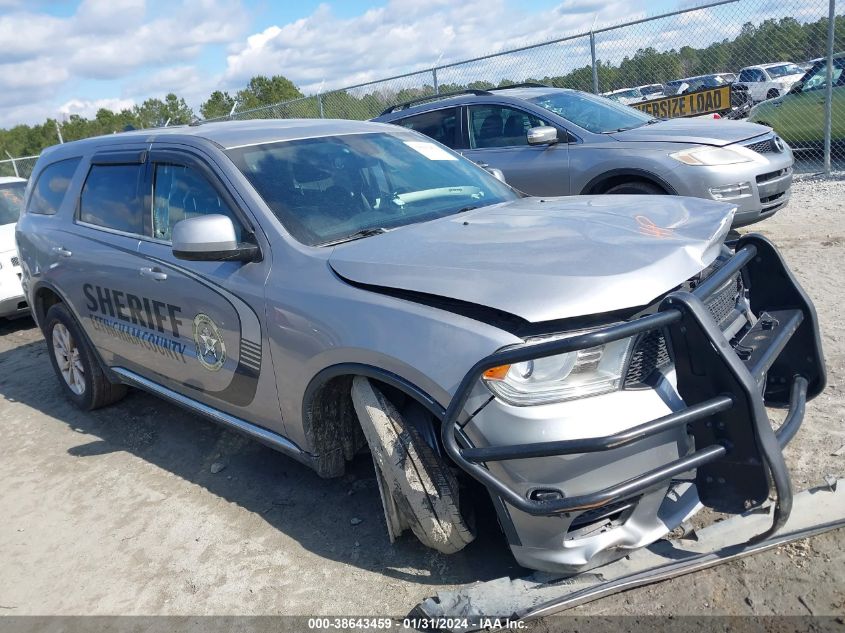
726	388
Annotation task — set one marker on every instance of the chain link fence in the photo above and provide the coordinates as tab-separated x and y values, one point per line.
20	167
758	49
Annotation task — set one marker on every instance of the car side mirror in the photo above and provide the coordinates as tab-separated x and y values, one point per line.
497	173
209	238
542	135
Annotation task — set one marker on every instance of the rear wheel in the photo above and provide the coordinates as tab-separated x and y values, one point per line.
73	360
635	187
418	490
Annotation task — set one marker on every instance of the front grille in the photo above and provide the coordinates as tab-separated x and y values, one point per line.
16	261
771	175
772	198
766	146
723	303
650	354
651	350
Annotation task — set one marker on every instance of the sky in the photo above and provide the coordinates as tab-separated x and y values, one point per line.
76	56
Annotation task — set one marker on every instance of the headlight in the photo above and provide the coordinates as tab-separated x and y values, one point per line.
713	156
587	372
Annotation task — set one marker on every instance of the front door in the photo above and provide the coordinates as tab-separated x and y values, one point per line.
221	351
497	138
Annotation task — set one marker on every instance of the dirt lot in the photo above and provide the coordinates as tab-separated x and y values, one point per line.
118	511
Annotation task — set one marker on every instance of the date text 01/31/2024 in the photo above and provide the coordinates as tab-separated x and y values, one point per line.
412	623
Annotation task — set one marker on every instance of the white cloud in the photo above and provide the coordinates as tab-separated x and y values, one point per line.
88	108
405	35
106	40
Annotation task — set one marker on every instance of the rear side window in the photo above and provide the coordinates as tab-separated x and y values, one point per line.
51	187
441	125
111	198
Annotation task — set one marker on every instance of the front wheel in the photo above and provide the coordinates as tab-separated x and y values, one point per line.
771	94
635	187
73	360
418	490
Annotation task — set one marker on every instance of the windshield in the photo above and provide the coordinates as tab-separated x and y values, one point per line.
785	69
11	201
329	189
592	113
650	90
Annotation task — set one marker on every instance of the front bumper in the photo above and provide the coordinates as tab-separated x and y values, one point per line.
12	299
769	180
736	455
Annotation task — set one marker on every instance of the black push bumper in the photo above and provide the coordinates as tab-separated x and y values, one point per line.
726	388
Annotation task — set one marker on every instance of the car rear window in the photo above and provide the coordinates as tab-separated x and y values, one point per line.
110	198
51	187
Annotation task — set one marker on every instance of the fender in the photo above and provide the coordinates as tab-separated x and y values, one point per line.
636	173
376	373
110	375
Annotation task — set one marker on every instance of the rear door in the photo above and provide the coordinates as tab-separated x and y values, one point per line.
497	137
97	262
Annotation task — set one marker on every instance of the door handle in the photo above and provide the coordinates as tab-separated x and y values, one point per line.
153	273
61	251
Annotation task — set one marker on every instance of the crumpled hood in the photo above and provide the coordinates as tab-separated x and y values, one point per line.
546	259
693	131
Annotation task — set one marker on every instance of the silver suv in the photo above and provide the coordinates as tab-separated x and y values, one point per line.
600	364
557	142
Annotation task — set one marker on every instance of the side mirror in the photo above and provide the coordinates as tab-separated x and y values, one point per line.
543	135
497	173
208	238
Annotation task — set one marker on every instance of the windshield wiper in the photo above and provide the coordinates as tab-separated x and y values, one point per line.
357	235
470	207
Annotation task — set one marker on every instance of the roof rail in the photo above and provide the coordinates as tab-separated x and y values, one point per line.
468	91
442	95
525	84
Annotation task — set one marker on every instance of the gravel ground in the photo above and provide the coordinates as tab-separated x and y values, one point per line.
144	509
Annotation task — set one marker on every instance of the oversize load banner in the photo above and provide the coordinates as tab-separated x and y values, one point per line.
693	104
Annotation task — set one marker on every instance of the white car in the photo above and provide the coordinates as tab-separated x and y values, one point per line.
12	300
625	96
768	81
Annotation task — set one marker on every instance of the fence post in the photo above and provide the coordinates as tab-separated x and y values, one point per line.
434	77
595	68
14	165
828	103
320	104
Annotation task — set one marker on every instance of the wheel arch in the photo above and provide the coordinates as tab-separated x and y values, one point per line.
608	179
328	415
45	295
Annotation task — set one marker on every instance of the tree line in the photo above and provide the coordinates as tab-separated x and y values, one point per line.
772	40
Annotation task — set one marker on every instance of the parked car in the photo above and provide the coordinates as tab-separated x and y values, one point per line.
798	116
691	84
652	91
768	81
12	301
625	96
554	142
324	286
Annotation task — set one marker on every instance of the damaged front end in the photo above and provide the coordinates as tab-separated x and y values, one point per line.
743	338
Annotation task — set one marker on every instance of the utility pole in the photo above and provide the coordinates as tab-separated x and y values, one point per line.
59	132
